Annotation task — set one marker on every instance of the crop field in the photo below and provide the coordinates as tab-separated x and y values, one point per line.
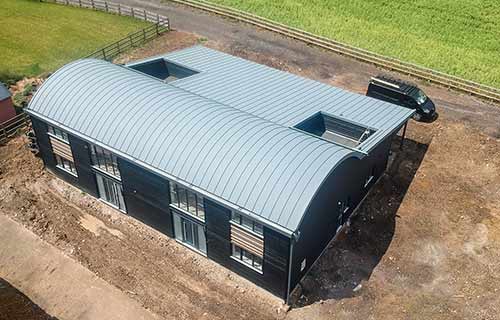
459	37
39	37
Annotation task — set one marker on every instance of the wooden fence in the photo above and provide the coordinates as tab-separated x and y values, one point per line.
161	24
116	8
131	41
450	81
13	126
135	39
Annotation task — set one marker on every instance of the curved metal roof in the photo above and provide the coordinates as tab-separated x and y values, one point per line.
267	170
281	97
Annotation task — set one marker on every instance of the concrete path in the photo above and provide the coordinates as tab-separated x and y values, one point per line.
59	285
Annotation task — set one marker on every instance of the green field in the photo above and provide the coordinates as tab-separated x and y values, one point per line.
39	37
460	37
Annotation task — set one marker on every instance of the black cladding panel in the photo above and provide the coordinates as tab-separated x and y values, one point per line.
274	274
146	196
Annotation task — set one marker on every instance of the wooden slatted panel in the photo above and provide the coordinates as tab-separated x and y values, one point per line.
247	240
61	148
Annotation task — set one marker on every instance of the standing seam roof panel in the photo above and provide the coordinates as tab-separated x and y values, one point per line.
226	153
266	92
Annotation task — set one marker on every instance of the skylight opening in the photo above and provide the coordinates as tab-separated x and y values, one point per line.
336	130
164	70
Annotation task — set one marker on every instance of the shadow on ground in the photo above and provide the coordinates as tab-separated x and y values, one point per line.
14	305
351	258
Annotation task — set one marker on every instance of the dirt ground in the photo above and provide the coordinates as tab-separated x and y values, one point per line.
424	245
14	305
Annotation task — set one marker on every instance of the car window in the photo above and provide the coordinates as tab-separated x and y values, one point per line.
386	93
419	96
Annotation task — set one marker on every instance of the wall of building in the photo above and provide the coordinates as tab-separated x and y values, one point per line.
322	219
274	274
7	110
147	198
46	153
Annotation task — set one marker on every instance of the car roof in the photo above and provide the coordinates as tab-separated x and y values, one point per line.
394	84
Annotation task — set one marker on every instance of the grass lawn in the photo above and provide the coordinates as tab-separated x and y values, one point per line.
39	37
460	37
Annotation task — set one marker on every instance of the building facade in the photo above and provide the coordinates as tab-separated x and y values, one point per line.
7	110
240	171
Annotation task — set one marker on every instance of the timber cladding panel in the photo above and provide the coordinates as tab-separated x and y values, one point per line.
62	149
247	240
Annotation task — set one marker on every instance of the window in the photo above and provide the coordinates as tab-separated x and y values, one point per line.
187	200
110	191
190	233
58	133
65	164
246	257
104	160
247	223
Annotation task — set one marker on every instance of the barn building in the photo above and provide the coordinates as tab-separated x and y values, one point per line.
7	110
252	167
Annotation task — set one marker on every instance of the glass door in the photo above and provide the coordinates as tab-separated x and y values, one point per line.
110	191
190	233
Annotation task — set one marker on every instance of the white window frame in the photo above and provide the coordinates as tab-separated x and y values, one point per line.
178	219
237	219
58	133
239	257
108	166
61	165
195	209
120	197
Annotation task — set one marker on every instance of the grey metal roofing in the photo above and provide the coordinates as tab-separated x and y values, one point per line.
278	96
261	167
4	92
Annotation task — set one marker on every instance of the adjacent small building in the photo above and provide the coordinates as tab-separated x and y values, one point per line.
7	110
254	168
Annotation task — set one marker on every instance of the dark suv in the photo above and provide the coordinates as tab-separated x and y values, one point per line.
403	94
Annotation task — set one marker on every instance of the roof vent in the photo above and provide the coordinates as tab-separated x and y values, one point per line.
335	129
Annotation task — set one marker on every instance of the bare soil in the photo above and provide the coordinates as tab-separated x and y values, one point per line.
425	244
162	275
14	305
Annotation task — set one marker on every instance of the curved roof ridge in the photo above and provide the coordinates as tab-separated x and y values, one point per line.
220	151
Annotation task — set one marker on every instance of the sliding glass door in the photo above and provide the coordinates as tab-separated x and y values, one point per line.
110	191
189	232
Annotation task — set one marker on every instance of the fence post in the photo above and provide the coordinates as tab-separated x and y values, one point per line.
157	31
80	3
132	10
157	18
131	42
119	10
104	53
145	15
106	6
144	33
92	3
